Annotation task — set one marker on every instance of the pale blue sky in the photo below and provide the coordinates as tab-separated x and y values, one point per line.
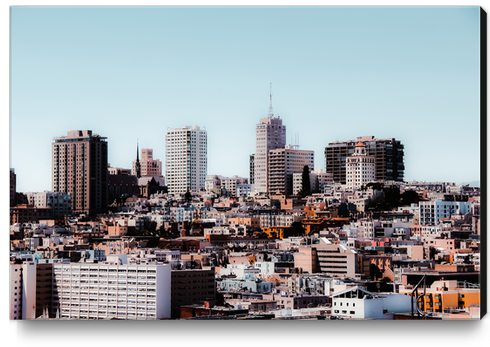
337	73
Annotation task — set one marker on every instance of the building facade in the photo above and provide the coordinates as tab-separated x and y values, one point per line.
360	168
29	214
328	258
269	134
193	286
60	203
388	155
147	165
282	164
80	170
186	159
431	212
252	168
13	189
106	290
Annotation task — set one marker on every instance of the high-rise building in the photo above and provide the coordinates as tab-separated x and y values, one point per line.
283	163
80	169
360	168
252	168
387	153
186	159
269	134
13	189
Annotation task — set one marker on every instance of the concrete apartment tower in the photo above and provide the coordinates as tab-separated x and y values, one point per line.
269	134
360	168
80	170
186	159
283	164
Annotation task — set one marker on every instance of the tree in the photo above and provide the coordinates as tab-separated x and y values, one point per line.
297	229
317	185
168	233
188	196
374	272
152	227
409	197
305	182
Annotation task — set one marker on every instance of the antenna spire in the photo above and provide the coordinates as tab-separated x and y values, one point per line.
270	106
138	165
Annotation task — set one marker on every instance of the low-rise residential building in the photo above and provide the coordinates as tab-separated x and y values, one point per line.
446	296
358	303
431	212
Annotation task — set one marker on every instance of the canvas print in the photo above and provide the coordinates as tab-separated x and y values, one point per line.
246	163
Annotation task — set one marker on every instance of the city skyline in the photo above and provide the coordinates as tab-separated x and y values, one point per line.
410	73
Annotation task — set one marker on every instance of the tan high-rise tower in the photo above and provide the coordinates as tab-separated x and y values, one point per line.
269	134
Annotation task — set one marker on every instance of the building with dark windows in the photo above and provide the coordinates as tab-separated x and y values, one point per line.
388	155
283	163
80	170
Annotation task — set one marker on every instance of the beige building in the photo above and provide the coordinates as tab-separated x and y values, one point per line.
269	134
360	168
306	259
285	162
328	258
148	165
254	222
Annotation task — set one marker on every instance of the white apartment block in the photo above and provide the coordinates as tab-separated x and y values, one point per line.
267	220
181	214
230	184
243	190
104	290
59	202
212	182
362	228
287	220
360	168
269	134
358	303
430	212
186	159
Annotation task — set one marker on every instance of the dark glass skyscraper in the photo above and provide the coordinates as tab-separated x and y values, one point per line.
388	154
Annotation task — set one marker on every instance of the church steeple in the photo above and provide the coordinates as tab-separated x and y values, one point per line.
138	165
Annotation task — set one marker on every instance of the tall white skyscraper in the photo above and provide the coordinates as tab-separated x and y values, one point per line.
269	134
186	159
